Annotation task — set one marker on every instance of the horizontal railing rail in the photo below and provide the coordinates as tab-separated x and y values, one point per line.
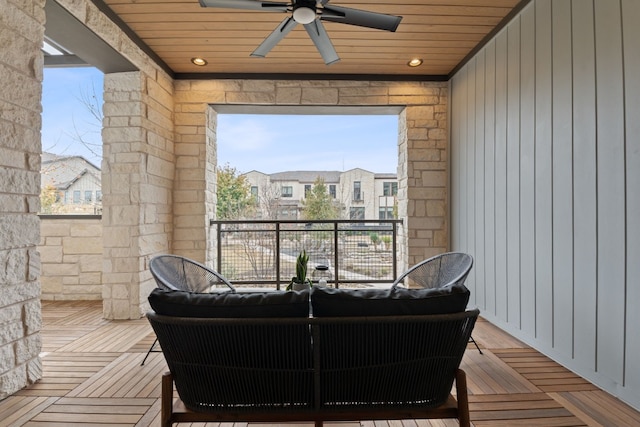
262	253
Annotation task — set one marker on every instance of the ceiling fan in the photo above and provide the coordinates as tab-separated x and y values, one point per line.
309	13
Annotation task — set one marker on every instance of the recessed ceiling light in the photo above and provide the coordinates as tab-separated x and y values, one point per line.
199	61
415	62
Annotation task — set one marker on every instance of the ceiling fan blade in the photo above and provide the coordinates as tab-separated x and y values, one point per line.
320	38
276	35
266	6
361	18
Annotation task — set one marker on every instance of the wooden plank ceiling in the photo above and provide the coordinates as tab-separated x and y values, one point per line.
440	32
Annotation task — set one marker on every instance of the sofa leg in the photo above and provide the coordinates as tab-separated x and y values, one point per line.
166	401
463	398
476	344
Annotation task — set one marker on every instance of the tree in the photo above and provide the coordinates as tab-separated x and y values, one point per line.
374	239
319	204
87	133
90	136
270	198
234	194
48	199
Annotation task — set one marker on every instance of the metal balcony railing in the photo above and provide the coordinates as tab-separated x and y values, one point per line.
263	252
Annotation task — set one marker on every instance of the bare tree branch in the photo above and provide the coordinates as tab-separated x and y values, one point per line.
89	100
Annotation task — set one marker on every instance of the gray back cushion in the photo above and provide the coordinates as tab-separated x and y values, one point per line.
230	304
331	302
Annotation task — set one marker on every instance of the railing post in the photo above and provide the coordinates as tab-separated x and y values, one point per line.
277	255
336	267
219	255
394	247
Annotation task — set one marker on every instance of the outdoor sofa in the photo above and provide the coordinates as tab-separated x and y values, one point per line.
360	355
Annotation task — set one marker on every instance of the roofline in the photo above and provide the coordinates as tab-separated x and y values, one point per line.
380	175
60	158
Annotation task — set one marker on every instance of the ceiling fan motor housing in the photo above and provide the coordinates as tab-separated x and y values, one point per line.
304	11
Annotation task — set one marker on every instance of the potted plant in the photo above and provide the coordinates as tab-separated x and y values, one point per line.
300	280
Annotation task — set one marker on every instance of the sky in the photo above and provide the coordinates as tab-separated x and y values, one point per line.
275	143
267	143
66	120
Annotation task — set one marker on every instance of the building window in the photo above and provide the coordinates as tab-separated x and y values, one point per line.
67	198
287	191
385	212
98	196
87	196
357	190
254	192
332	190
356	213
389	188
76	196
307	190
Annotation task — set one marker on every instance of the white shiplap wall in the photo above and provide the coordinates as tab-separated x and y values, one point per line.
545	134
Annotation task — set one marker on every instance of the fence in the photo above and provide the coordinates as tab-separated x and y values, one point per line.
263	252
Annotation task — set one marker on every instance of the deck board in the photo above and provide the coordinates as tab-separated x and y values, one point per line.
543	372
92	377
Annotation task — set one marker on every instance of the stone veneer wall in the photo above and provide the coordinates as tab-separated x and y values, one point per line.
426	159
71	255
21	35
137	184
423	151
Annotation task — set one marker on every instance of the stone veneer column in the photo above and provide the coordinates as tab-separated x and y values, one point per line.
195	175
21	63
137	183
427	174
423	151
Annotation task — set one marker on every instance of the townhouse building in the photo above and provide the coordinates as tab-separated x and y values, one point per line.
359	193
75	181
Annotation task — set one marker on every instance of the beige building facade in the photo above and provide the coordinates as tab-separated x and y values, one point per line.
357	193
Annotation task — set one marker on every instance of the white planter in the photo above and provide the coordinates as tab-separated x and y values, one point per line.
299	286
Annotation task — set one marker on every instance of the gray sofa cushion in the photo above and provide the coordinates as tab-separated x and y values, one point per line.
330	302
230	304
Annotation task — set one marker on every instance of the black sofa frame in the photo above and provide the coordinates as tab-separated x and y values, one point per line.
314	369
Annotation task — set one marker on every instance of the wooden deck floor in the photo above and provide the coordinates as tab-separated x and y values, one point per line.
92	377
